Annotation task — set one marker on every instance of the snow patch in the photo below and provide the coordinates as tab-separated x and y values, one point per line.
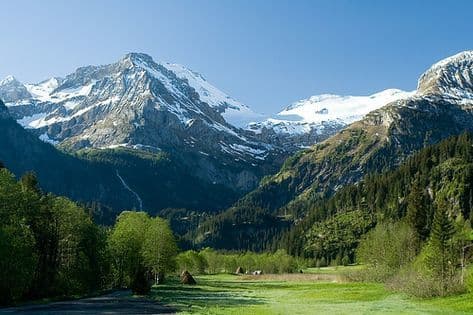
305	115
42	90
29	122
45	138
234	112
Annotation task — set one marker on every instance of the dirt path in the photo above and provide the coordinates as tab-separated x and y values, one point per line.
119	302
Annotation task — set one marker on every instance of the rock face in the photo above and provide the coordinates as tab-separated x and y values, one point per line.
108	180
451	77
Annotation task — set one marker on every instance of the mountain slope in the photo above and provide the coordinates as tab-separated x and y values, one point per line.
380	141
112	179
440	174
234	112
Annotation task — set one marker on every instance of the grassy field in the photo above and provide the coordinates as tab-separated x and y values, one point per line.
298	294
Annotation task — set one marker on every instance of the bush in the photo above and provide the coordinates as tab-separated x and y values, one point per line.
386	249
192	261
210	261
416	282
469	280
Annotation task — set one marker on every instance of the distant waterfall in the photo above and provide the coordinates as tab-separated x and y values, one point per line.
140	202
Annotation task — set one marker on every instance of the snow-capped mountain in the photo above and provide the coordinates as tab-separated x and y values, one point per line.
441	107
311	120
139	103
452	77
110	106
11	89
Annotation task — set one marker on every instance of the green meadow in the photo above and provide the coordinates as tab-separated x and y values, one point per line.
319	292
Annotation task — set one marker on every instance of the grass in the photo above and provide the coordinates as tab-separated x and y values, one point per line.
298	294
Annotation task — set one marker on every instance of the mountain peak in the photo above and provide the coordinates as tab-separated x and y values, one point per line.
9	79
135	58
452	77
11	90
460	57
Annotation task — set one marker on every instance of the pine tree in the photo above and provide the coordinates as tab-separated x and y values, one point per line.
440	254
417	211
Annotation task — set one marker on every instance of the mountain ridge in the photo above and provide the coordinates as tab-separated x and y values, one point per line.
141	104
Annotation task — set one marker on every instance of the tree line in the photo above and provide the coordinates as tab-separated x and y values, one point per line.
210	261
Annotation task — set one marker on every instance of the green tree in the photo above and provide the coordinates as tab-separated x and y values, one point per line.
29	181
213	260
81	249
440	254
159	248
418	210
191	261
17	261
386	249
126	243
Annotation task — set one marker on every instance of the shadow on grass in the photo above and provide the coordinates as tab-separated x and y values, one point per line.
206	294
114	303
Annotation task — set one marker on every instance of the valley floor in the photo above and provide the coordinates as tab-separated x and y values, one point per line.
317	291
298	294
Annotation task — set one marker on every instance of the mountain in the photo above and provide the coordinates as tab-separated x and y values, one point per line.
141	104
137	121
452	78
11	89
441	107
108	180
314	119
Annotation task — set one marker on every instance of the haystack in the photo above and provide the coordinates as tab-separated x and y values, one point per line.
240	271
186	278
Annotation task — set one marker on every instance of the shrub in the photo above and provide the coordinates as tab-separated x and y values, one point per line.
415	281
469	280
386	249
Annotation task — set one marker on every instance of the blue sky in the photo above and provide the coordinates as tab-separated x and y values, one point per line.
266	54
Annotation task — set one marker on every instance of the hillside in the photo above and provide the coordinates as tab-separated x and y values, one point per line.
378	142
112	179
437	176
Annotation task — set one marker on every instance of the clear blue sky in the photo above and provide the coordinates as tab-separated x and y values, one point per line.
265	53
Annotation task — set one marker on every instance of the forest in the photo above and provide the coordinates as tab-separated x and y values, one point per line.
50	246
